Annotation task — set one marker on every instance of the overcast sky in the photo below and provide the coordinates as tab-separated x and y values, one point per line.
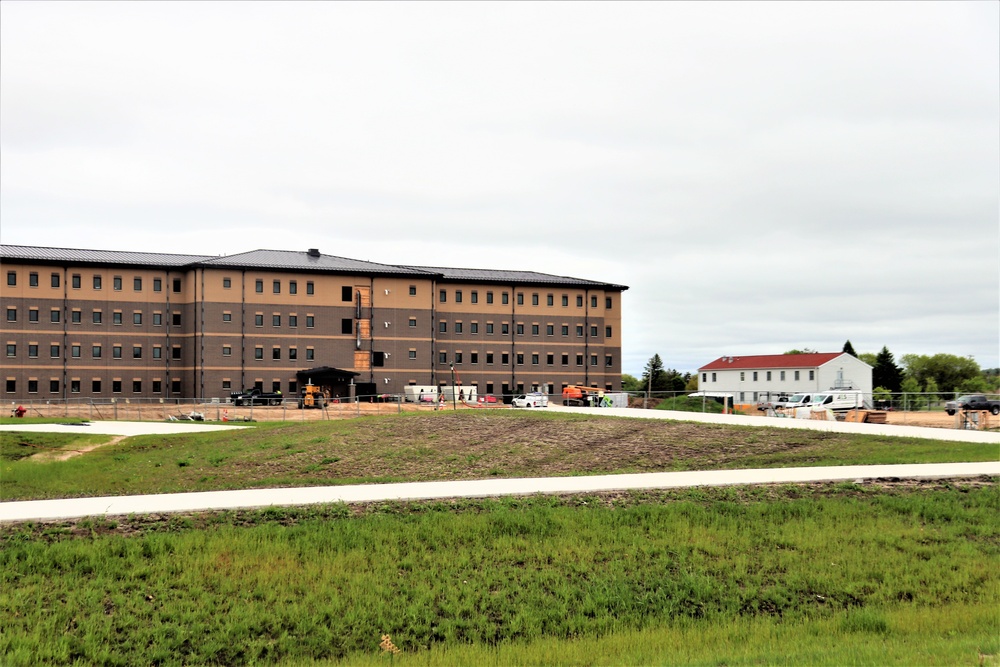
763	176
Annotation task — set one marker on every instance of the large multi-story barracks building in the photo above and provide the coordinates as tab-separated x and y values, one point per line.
96	324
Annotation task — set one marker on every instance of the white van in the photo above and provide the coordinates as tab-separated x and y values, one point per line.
796	401
840	400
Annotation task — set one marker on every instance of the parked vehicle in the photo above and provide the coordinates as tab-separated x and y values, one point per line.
311	396
972	402
840	400
533	400
796	401
771	401
255	396
582	396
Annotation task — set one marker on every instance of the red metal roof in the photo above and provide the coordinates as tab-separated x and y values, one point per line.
760	361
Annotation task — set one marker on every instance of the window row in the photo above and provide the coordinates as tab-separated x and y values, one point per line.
293	286
258	353
505	298
458	358
97	281
96	351
96	316
550	330
276	319
96	386
755	375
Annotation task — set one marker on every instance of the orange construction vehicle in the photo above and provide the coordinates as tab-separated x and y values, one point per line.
582	396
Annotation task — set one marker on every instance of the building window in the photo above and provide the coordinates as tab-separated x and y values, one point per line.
12	314
714	377
157	352
413	354
137	352
443	296
293	321
275	320
489	297
458	357
95	386
76	317
310	354
12	278
136	318
276	287
504	329
489	328
520	358
812	375
157	285
504	299
293	287
442	327
489	358
346	293
157	319
474	296
549	299
534	329
177	289
608	361
258	319
97	282
116	351
442	357
458	327
593	302
293	353
796	375
137	386
258	353
116	386
474	328
116	317
33	315
96	317
755	376
413	322
742	373
458	296
55	315
75	281
96	351
520	329
157	386
593	331
137	284
347	326
258	286
565	330
413	290
175	386
534	359
117	283
54	386
54	351
534	299
310	289
75	351
11	386
607	302
607	332
504	359
276	353
579	360
56	281
227	317
565	300
227	283
32	351
579	331
768	376
227	350
11	350
579	301
310	321
520	298
474	358
175	352
32	386
550	359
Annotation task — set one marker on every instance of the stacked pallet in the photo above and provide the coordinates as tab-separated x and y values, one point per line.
866	416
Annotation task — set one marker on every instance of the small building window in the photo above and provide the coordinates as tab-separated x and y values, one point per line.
276	287
137	284
157	285
227	283
293	287
310	289
117	283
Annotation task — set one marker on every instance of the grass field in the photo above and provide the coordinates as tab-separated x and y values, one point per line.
826	574
435	446
832	574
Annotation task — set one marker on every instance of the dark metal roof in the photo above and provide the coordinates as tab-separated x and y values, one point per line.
75	256
512	277
290	260
303	261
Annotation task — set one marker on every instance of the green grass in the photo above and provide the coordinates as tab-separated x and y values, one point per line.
780	575
438	446
691	404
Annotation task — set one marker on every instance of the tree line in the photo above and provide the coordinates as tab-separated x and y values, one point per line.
915	373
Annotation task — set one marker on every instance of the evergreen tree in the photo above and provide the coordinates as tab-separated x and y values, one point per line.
886	373
654	370
849	349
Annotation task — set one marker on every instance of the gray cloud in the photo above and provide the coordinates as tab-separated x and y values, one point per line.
763	175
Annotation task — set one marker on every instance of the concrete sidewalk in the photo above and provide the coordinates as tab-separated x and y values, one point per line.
950	434
39	510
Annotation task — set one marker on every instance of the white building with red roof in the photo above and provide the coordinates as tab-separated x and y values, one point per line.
749	377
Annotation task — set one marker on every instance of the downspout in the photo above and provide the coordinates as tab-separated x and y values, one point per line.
65	336
243	328
201	317
169	352
586	337
513	328
433	329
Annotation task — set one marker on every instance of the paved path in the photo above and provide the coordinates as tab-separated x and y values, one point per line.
223	500
951	434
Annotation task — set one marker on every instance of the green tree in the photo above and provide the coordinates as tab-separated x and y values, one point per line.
653	376
631	383
692	383
949	371
913	399
869	358
885	372
805	350
849	349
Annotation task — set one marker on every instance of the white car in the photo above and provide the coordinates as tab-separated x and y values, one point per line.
531	401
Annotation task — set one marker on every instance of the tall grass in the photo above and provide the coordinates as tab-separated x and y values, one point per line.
322	584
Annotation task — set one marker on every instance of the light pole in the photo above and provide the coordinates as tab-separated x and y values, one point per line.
454	404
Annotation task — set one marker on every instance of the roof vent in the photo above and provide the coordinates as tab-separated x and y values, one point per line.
313	252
